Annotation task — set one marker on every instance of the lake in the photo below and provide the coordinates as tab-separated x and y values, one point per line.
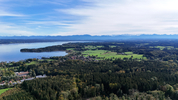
11	52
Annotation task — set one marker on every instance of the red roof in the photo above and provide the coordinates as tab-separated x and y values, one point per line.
23	73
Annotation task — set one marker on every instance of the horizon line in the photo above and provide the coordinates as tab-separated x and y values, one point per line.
88	35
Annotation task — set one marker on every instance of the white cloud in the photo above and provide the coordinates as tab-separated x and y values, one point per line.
109	17
48	23
5	13
11	30
95	17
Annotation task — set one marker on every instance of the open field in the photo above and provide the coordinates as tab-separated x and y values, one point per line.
49	59
108	54
32	63
128	53
90	47
4	90
70	49
99	46
112	46
93	47
94	52
45	59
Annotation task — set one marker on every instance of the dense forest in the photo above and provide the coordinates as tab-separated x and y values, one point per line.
123	70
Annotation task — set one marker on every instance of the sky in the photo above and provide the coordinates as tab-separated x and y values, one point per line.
93	17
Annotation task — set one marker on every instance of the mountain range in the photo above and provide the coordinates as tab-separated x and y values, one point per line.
91	38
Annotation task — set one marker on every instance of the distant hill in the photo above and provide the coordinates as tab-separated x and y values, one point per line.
91	38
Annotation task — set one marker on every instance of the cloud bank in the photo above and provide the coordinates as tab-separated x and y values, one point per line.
134	17
94	17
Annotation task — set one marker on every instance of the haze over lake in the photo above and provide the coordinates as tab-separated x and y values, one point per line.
11	52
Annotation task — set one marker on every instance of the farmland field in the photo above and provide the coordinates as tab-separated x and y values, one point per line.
108	54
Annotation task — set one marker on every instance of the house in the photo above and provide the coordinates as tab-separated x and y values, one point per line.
40	76
22	73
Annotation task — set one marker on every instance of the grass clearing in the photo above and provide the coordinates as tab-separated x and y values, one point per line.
10	64
14	91
160	47
94	52
128	53
104	54
70	49
4	90
49	59
99	46
170	47
112	46
45	60
90	47
93	47
32	63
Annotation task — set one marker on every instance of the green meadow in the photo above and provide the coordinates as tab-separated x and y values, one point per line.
4	90
93	47
128	53
70	49
49	59
32	63
108	54
112	46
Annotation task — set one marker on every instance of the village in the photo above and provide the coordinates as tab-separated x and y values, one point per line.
23	76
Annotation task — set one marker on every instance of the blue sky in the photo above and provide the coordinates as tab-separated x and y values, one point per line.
94	17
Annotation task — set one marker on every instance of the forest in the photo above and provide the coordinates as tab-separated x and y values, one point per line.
119	70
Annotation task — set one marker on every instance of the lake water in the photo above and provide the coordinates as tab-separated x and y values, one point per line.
11	52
